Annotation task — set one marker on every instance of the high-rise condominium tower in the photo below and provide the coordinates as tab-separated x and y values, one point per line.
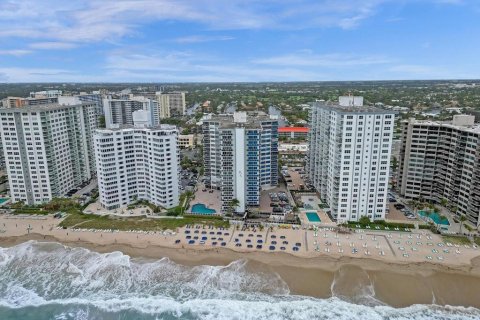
48	150
170	104
440	160
119	111
137	162
240	156
349	157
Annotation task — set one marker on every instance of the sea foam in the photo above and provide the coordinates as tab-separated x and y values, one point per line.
75	283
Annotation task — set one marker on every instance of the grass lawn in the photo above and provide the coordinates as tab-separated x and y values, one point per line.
477	240
382	226
135	223
456	240
30	211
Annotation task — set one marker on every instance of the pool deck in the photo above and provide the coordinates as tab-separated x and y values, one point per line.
324	219
211	200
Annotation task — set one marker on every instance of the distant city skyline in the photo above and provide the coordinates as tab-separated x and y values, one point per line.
238	40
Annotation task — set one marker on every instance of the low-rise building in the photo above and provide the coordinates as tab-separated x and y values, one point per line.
293	133
186	141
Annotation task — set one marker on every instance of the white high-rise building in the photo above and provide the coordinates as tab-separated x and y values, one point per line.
170	104
83	98
137	162
349	157
46	94
48	150
119	111
240	157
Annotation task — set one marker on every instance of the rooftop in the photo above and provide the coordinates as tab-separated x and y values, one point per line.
473	128
43	107
239	120
131	127
293	129
350	109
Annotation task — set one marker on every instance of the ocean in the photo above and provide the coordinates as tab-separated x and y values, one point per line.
47	280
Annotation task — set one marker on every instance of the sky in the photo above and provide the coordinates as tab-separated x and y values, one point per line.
238	40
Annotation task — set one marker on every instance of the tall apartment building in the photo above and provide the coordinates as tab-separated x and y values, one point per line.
440	160
46	94
18	102
119	111
48	150
137	162
240	156
349	157
82	98
170	104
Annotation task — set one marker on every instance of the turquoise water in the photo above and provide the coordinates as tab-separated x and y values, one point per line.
313	217
3	200
202	209
435	217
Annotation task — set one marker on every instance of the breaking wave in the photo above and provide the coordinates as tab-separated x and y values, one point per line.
50	281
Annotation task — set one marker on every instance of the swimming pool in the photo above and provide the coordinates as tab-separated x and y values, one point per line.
3	200
313	217
200	208
435	217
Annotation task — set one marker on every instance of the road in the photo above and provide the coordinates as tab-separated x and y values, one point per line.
88	188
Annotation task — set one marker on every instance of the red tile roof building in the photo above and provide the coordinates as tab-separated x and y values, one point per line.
293	132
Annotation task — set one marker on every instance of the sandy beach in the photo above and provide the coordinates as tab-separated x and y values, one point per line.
324	264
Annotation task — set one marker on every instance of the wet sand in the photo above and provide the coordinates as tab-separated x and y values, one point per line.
365	280
362	281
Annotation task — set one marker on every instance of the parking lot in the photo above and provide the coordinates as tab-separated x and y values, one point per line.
274	198
398	211
295	178
188	180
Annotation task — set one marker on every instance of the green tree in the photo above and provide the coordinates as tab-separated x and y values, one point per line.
101	122
232	205
462	221
415	205
364	220
394	164
444	202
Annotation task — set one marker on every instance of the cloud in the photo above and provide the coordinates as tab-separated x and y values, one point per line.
186	67
309	59
52	45
15	52
199	38
33	74
93	20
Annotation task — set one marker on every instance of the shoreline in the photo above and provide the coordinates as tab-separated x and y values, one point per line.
224	256
393	279
395	284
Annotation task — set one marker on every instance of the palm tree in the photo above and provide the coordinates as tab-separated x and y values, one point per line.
233	204
415	205
442	217
462	220
444	202
454	210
